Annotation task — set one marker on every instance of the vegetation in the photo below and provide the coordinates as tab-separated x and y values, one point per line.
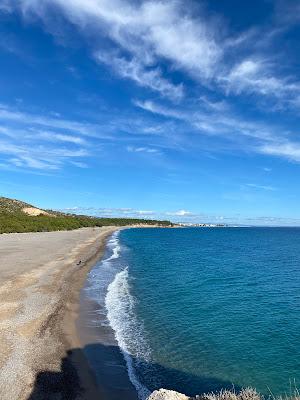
12	205
14	219
246	394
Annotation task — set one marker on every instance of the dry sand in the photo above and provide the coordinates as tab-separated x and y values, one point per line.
40	278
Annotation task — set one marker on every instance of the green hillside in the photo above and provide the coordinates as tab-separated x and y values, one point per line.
12	205
14	219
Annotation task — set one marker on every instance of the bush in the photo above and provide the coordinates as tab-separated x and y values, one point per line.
19	222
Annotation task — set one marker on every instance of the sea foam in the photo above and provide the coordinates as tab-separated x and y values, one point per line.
103	274
108	285
120	305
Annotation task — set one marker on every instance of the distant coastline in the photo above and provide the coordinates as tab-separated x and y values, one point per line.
44	306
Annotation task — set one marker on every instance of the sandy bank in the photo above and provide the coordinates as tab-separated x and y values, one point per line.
40	278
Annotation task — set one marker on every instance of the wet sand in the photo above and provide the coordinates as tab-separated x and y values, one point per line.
41	275
102	352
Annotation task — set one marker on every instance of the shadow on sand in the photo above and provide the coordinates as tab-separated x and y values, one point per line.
109	380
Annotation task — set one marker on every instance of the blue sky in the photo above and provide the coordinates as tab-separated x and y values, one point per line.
185	110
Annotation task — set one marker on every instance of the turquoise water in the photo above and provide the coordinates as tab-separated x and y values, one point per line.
197	310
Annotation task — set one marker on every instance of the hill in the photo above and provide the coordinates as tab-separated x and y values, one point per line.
18	216
15	206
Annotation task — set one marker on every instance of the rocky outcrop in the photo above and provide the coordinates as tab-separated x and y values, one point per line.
163	394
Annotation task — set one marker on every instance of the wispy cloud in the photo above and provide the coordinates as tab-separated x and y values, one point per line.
268	139
148	30
180	213
132	213
146	34
150	150
33	120
186	216
285	149
146	42
58	137
27	143
111	212
38	157
261	187
254	75
144	76
156	108
79	164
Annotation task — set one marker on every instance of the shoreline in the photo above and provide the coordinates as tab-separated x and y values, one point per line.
40	282
103	355
97	338
89	388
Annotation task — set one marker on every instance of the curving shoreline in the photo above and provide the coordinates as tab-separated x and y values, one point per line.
45	339
97	337
41	275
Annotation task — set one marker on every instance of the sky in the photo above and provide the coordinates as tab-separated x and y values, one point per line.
183	110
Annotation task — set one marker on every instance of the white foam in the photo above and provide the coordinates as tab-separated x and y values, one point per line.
103	273
109	287
113	243
128	331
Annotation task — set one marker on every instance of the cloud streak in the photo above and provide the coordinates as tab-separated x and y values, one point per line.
144	35
27	142
265	138
134	70
149	42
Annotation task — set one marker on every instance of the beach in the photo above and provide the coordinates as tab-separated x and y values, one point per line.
41	275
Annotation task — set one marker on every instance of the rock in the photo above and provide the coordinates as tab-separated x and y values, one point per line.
163	394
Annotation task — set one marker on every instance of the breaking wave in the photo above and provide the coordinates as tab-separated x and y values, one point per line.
120	305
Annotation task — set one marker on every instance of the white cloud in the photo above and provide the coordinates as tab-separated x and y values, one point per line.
287	149
147	77
180	213
34	120
38	156
214	105
79	164
261	187
25	145
112	212
131	213
265	138
143	34
147	41
133	149
213	122
175	35
28	161
145	212
155	108
257	76
58	137
149	31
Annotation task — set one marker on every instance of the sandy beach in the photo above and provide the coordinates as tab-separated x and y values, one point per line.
41	275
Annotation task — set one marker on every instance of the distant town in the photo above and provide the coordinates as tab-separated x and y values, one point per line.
188	224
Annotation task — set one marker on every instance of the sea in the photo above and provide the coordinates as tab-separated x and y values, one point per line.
202	309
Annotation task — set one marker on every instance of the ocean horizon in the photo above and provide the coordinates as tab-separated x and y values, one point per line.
198	310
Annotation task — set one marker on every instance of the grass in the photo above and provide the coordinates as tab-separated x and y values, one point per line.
247	394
